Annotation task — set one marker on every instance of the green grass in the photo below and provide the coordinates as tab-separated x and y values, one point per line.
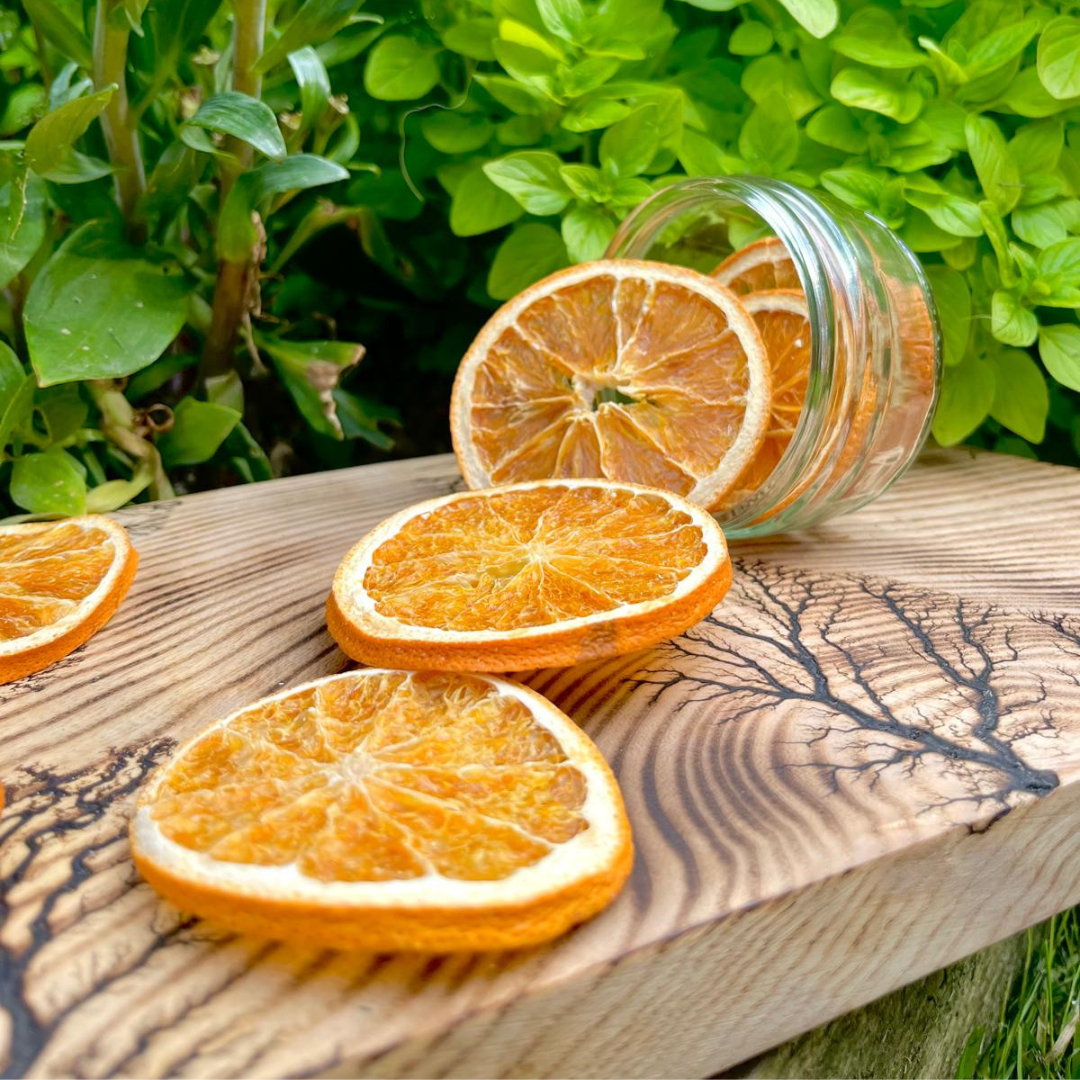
1038	1034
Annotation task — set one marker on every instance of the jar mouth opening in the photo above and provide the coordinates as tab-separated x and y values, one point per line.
701	222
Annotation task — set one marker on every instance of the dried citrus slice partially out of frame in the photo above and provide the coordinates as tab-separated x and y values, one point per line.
764	264
625	370
389	810
60	582
547	573
782	317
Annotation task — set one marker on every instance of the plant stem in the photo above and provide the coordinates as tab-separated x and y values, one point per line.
250	27
233	288
122	139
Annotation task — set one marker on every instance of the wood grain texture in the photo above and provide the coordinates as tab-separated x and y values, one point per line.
864	765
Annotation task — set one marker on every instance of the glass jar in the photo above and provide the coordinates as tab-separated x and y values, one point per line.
875	343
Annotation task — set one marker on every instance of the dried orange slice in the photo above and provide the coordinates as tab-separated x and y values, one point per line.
60	582
542	574
626	370
784	321
764	264
389	810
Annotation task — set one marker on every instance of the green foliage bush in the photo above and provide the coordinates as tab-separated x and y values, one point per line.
208	211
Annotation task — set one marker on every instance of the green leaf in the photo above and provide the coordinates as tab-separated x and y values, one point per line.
102	308
360	418
152	378
1059	347
857	187
53	137
456	133
236	233
478	205
472	38
311	371
700	156
113	494
591	115
1063	259
199	428
314	82
626	148
16	396
994	164
316	21
1011	321
1059	57
587	232
878	93
56	27
523	100
873	37
400	69
952	213
998	48
1021	401
530	67
952	298
1037	147
769	140
564	18
750	38
967	392
817	16
175	27
246	456
62	410
244	117
48	483
587	182
583	77
532	178
22	215
835	126
528	254
1040	226
1027	96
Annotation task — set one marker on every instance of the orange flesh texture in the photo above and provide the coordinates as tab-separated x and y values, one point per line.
532	558
45	575
634	380
786	334
764	264
388	777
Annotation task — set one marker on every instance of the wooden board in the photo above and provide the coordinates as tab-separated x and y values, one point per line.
864	765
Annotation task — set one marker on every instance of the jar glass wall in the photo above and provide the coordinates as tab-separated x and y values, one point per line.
875	344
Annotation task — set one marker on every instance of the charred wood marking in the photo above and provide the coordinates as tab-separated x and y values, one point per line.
801	693
884	683
44	808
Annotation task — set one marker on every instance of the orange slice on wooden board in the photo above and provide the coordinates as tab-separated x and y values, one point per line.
60	582
764	264
626	370
544	574
389	810
784	321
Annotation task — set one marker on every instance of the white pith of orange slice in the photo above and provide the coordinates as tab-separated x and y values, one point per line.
764	264
545	573
389	810
60	582
622	369
783	318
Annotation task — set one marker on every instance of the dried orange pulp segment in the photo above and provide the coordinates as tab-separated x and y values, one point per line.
783	319
60	582
389	810
764	264
543	574
627	370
